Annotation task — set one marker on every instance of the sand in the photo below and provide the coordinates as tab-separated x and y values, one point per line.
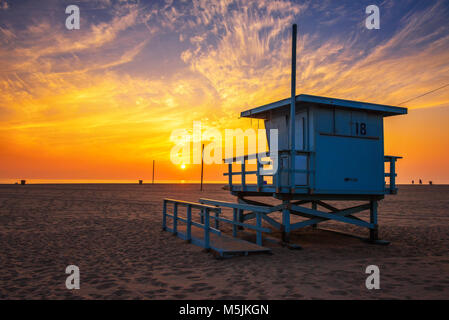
113	234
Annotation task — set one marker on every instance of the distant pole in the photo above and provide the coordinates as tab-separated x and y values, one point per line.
202	166
293	110
152	180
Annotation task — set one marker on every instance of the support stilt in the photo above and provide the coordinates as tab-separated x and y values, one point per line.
373	233
241	218
286	222
314	207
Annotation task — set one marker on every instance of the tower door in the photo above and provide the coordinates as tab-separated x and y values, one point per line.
300	131
300	144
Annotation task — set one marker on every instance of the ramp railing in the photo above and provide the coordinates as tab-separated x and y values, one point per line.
237	208
204	213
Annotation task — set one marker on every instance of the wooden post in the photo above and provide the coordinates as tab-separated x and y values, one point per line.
230	176
164	216
152	180
240	217
393	175
314	207
243	175
175	218
206	230
373	233
259	177
234	218
189	223
217	215
293	111
202	165
286	221
259	225
278	176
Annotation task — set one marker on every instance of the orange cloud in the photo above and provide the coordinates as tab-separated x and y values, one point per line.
86	104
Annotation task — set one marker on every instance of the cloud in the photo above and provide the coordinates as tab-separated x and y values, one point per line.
136	71
4	5
250	56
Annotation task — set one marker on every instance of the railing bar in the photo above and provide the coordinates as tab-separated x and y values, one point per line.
234	226
240	173
192	204
201	226
175	218
164	216
189	223
259	226
206	230
249	226
230	174
243	176
217	221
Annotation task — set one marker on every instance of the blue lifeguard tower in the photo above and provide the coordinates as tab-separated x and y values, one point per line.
338	154
329	150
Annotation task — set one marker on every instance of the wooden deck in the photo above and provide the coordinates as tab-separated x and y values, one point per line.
223	244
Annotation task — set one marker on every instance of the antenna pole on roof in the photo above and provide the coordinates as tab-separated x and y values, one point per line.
202	166
292	111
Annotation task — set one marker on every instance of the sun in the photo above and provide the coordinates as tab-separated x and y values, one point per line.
183	166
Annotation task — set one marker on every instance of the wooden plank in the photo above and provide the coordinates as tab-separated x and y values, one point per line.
245	225
223	244
239	173
192	204
338	216
273	208
235	205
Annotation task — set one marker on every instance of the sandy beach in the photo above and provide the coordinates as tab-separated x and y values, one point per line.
113	233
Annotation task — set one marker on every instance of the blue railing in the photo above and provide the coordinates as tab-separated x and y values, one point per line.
205	219
204	212
260	181
392	189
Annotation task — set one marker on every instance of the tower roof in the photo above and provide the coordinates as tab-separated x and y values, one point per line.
324	101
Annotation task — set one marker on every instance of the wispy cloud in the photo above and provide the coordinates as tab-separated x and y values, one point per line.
136	70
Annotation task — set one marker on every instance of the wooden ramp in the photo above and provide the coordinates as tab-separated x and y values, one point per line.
204	235
223	245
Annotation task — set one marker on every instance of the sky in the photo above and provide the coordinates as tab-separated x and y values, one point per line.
101	102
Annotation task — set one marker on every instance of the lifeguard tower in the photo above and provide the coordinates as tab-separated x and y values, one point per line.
329	150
